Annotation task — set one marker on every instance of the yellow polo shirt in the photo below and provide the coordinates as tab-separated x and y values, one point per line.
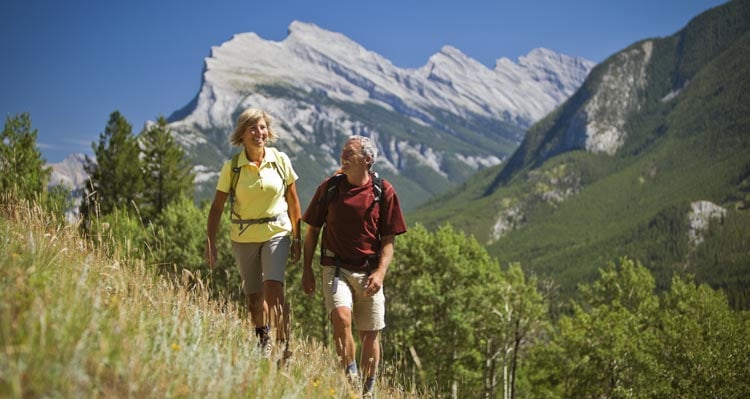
260	194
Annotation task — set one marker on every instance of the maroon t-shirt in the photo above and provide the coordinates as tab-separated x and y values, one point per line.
355	221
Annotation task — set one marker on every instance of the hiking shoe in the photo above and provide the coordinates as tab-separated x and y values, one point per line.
369	389
264	341
266	348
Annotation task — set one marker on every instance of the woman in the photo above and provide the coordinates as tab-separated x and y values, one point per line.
265	221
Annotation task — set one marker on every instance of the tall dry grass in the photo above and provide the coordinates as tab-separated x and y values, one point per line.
75	322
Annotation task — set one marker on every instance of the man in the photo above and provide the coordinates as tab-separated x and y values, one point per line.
362	217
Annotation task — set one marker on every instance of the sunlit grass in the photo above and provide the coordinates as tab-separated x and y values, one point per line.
75	322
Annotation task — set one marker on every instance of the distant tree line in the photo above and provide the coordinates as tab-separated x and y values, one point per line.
459	324
23	174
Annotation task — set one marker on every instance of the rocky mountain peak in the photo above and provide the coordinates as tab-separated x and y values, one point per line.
69	172
453	112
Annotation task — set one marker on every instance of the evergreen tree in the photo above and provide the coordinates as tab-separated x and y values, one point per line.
22	169
115	176
167	174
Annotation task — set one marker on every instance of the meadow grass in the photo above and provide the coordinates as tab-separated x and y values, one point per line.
75	322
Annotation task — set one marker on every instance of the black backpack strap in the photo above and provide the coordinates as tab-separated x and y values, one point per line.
377	191
332	188
234	178
377	187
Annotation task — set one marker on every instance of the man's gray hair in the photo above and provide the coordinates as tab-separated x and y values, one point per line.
368	147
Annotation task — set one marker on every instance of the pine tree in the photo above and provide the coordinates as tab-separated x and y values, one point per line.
22	169
115	176
167	174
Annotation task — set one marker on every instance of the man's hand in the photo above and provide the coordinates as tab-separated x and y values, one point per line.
374	283
308	281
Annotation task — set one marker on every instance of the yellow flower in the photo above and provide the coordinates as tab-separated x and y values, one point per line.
175	347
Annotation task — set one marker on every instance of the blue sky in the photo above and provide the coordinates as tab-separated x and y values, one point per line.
71	63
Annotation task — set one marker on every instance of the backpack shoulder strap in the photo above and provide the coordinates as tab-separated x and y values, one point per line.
332	188
234	176
377	187
377	190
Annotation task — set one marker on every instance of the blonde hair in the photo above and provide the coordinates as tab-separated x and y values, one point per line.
248	118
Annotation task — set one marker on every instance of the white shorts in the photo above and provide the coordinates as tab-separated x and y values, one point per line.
368	312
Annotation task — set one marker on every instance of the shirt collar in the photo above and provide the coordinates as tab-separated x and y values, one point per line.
267	157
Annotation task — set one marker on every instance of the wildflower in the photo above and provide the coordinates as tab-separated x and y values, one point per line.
316	383
175	347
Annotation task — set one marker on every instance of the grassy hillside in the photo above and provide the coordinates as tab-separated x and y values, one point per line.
76	323
563	214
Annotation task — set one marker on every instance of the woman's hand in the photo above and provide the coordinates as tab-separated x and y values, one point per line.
296	251
210	254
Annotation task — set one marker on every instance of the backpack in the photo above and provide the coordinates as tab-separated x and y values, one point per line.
332	189
235	177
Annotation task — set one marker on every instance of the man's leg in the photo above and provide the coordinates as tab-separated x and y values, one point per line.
341	318
369	317
370	357
339	305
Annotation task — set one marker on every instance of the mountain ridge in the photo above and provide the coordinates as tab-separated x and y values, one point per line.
434	125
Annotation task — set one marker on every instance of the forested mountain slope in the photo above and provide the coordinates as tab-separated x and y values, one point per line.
650	158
